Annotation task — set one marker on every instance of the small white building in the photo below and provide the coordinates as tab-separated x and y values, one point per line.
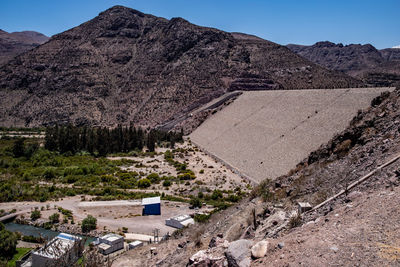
62	250
135	244
110	243
179	221
303	207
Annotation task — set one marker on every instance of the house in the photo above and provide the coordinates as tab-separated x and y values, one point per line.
135	244
179	221
110	243
151	206
62	250
303	207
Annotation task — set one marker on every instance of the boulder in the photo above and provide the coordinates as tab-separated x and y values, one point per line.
238	253
208	258
260	249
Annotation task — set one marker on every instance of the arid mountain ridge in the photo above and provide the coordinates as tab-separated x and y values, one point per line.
373	66
16	43
125	66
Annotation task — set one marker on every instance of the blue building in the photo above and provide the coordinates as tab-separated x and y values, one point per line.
151	206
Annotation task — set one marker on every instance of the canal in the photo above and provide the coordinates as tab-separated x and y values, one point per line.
37	231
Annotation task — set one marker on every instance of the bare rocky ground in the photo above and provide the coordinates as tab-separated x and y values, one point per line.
360	228
210	173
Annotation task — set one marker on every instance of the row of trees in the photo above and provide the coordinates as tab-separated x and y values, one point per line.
104	140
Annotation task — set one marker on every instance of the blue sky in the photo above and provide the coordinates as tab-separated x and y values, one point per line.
282	21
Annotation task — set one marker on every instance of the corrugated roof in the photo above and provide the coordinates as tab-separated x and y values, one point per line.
111	237
58	246
151	200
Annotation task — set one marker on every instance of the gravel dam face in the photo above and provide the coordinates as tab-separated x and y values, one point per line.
264	134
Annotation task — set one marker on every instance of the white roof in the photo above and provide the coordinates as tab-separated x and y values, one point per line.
304	204
58	246
180	218
104	246
187	222
135	243
111	237
151	200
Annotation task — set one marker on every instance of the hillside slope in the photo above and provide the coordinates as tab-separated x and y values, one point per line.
360	228
15	43
125	66
375	67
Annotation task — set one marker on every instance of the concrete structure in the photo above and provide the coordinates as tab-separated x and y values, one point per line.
110	243
264	134
179	221
135	244
151	206
303	207
63	250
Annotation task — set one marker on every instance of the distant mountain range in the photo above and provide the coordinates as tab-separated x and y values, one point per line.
125	66
375	67
15	43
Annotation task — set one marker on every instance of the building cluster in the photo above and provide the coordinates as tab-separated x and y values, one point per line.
66	249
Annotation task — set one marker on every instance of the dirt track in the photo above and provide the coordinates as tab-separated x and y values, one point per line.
265	134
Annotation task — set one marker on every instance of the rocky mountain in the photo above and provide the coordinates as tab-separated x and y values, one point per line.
15	43
125	66
376	67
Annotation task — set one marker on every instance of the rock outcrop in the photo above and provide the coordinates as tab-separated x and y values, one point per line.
125	66
16	43
375	67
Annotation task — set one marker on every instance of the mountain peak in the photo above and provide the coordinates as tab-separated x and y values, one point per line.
125	66
122	9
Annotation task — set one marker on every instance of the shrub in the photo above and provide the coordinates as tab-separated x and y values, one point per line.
195	202
89	223
167	183
144	183
54	218
201	171
295	221
216	194
8	243
201	218
233	198
18	147
153	177
35	215
49	173
32	239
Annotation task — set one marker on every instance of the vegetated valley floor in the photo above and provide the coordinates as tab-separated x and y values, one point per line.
264	134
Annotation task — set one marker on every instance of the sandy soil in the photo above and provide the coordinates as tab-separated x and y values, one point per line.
265	134
113	217
215	175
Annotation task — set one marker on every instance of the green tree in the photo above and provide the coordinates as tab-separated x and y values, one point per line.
216	194
195	202
35	215
19	148
8	243
144	183
54	218
89	223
